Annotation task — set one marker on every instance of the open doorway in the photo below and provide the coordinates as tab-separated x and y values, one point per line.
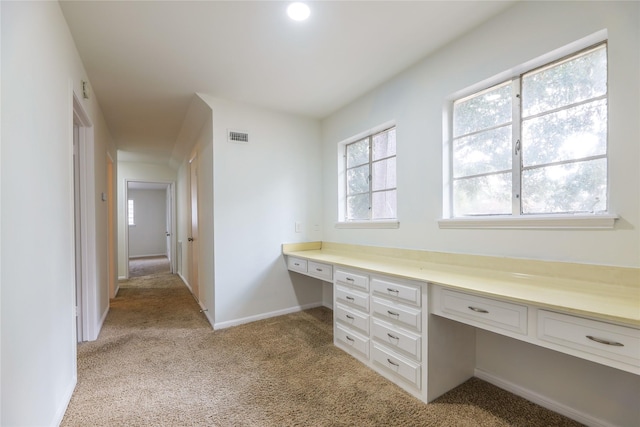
150	225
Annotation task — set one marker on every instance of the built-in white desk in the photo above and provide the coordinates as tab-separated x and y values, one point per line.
412	315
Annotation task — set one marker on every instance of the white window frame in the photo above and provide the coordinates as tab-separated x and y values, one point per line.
342	184
605	220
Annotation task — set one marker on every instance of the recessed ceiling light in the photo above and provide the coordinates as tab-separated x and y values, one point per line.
298	11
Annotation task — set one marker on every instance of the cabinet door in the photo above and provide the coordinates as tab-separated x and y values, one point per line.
403	292
297	264
352	297
397	313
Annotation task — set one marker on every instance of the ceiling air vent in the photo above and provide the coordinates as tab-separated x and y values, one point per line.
238	137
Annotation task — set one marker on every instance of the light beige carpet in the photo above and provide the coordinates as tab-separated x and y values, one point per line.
158	363
147	266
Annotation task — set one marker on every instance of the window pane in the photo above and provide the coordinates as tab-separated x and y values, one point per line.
358	153
484	110
578	79
573	187
358	180
130	214
485	195
482	152
569	134
384	205
384	174
384	144
358	207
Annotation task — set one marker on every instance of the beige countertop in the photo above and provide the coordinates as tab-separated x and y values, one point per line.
602	292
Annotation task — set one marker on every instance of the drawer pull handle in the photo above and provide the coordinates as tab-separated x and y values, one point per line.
348	316
349	338
296	264
605	342
318	269
350	298
478	310
393	290
393	313
391	362
349	279
392	336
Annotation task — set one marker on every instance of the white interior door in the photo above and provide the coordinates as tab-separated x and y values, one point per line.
193	235
168	227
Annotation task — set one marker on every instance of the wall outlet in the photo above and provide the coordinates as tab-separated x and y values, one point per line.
298	227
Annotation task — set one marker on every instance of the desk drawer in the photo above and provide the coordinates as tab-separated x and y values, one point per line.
352	318
400	292
351	340
350	278
396	313
397	340
321	271
297	264
499	314
352	297
591	336
400	367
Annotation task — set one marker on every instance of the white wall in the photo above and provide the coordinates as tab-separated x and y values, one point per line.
147	237
415	99
250	196
40	69
134	171
260	190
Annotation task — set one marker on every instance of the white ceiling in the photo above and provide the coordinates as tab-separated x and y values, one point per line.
146	59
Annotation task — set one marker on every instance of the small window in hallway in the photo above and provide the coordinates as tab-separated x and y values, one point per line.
130	216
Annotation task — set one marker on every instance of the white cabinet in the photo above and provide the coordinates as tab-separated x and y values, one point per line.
378	320
351	324
320	271
482	312
397	339
589	338
404	371
397	324
606	343
297	264
311	268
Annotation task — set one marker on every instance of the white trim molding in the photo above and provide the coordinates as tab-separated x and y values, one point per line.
368	224
552	222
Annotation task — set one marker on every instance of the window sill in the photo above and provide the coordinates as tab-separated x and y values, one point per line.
551	222
368	224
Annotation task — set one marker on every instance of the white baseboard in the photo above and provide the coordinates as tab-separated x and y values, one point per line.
66	399
186	283
236	322
543	401
122	277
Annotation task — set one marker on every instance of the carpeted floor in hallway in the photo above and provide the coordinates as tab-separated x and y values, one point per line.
157	362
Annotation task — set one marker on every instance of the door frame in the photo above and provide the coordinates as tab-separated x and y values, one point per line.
193	241
172	191
87	306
